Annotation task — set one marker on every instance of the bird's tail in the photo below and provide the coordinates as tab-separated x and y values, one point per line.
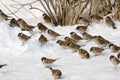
50	68
114	27
4	64
57	58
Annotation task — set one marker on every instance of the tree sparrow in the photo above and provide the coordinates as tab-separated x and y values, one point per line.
87	36
42	27
30	28
101	41
84	20
56	73
84	54
47	61
109	22
81	29
75	36
23	25
114	61
62	43
53	33
2	65
96	50
23	37
114	48
3	16
96	18
46	18
14	22
69	40
74	47
43	40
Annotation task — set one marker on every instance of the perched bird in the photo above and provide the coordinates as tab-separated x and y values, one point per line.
47	61
114	48
62	43
3	16
75	36
84	54
13	22
23	37
30	28
114	61
96	18
43	40
56	73
46	18
69	40
52	33
81	29
2	65
74	47
96	50
118	55
87	36
84	20
101	41
109	22
23	25
42	27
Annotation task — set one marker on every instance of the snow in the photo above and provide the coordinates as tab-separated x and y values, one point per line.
24	62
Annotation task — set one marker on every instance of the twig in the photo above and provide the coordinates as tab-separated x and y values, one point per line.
31	7
8	9
22	6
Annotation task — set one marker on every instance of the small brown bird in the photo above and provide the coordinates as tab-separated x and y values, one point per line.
46	18
74	47
2	65
96	18
114	61
23	37
114	48
62	43
56	73
14	22
47	61
75	36
87	36
23	25
101	41
3	16
81	29
96	50
109	22
118	55
42	27
84	54
69	40
84	20
43	40
30	28
52	33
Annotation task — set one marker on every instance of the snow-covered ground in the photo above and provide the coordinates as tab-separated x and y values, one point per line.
24	62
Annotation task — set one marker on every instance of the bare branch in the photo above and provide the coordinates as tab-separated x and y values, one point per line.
8	9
